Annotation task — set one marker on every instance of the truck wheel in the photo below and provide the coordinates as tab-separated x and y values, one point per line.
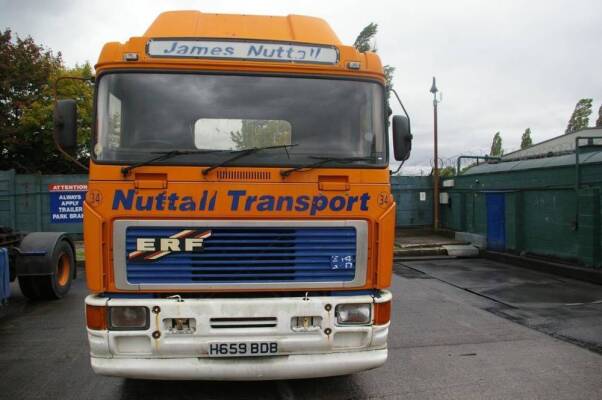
56	285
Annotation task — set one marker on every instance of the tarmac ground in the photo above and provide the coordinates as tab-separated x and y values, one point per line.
461	329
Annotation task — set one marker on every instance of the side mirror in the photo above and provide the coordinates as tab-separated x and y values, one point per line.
402	138
65	125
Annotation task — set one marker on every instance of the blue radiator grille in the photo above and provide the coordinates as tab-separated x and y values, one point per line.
248	255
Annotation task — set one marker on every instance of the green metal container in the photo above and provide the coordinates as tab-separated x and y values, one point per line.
551	207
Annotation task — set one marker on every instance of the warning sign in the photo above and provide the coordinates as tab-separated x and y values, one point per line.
66	203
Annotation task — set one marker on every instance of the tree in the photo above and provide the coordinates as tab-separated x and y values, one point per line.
38	120
261	133
447	172
580	117
365	42
526	140
599	120
24	70
388	70
27	75
496	146
35	150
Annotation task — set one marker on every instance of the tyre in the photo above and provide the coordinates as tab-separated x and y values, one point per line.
56	285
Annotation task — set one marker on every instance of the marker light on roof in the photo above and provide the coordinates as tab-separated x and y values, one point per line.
130	56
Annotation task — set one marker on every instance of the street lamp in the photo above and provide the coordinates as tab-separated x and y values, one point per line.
434	91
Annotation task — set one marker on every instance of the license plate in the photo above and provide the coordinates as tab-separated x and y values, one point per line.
243	349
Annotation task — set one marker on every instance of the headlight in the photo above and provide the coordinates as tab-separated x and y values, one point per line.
128	318
353	314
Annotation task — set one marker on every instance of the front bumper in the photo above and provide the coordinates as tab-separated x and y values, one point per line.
242	369
325	350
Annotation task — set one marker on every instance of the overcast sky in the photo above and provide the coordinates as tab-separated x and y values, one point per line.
500	65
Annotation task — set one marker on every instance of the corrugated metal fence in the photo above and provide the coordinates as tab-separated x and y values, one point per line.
414	198
33	203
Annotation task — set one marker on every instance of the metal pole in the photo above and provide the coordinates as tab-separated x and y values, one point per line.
436	163
577	172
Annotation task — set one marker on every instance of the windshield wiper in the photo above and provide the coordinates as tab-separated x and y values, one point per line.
323	160
244	153
164	155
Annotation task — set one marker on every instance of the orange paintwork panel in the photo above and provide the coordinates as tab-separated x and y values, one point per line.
386	241
195	199
289	29
195	24
112	58
107	172
93	245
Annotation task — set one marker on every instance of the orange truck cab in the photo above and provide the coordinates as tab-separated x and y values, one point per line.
239	222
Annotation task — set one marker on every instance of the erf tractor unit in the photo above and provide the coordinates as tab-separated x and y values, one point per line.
239	222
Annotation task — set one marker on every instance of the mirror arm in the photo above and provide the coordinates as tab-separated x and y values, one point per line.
56	98
398	168
402	106
409	124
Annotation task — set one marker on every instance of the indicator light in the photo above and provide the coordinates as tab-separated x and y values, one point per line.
382	313
96	317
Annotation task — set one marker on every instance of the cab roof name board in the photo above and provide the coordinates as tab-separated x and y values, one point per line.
242	50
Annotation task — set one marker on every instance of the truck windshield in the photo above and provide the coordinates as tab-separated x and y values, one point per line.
142	113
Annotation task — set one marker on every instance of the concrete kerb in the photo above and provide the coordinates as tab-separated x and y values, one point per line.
461	250
425	243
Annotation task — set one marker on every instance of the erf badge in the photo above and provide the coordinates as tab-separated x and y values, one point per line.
152	249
